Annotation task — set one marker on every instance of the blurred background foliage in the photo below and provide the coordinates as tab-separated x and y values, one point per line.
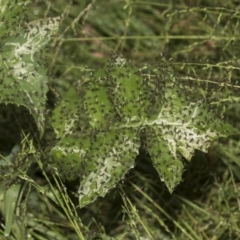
201	39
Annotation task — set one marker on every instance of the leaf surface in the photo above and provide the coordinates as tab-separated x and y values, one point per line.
122	109
23	74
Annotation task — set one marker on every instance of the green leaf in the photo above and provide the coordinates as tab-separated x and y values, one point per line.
97	104
101	159
122	105
10	202
12	17
23	75
165	158
66	114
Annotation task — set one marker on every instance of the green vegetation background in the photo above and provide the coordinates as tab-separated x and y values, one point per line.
202	38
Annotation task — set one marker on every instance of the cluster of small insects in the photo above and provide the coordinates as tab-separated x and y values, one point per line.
122	103
112	162
13	17
23	69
